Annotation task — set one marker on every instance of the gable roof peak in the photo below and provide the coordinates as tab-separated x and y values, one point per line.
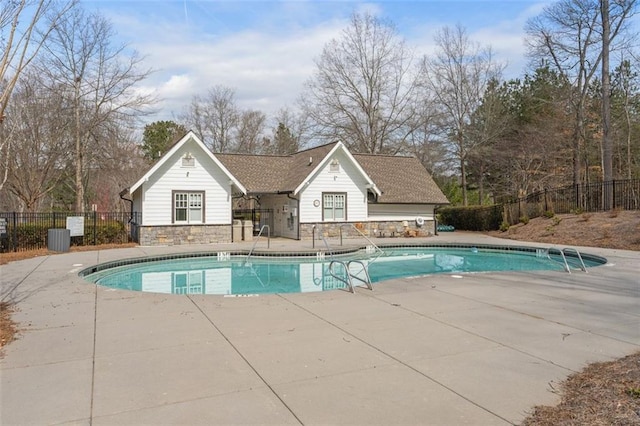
189	136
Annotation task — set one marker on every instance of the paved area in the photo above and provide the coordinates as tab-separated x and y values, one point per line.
479	349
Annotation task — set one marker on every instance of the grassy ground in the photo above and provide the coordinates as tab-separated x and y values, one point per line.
603	393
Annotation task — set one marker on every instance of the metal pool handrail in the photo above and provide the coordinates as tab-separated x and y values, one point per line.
349	280
359	232
258	239
564	258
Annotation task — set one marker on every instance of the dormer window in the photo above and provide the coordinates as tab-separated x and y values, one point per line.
334	166
188	160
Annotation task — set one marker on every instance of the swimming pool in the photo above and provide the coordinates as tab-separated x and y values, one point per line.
227	273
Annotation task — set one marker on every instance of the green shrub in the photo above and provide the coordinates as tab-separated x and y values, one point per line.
504	226
32	235
549	214
106	233
473	218
524	219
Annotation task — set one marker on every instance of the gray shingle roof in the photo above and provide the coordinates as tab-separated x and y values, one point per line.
258	173
400	179
300	166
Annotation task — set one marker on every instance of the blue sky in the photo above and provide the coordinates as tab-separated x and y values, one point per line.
265	50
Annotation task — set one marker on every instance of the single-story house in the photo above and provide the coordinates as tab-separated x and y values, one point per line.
188	196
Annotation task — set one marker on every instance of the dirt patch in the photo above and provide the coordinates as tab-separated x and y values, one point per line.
615	230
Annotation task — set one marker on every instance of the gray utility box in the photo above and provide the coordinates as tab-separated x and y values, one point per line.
237	231
248	230
59	240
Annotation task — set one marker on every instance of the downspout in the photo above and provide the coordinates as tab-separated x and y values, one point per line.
122	194
435	218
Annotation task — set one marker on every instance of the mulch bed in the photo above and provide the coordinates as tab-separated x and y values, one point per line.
8	328
604	393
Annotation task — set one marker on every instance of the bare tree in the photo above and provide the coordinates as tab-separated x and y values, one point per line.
426	142
250	131
37	128
569	36
98	80
626	104
214	118
22	33
290	132
363	89
457	76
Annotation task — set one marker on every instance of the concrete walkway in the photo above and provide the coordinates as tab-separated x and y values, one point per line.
482	349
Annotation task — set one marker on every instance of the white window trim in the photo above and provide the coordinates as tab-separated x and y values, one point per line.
191	196
333	207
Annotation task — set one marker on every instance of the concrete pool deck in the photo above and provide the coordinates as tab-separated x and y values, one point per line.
482	349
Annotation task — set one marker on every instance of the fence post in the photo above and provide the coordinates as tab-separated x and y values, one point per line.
95	217
14	235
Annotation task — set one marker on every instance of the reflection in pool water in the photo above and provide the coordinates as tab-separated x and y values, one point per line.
235	276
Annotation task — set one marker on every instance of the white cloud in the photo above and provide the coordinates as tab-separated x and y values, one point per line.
267	70
268	59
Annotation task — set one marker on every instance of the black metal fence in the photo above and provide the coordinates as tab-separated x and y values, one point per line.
581	198
29	231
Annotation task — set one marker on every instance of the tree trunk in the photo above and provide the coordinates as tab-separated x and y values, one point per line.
607	142
463	174
79	184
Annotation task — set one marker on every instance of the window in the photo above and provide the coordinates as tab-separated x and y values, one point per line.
188	160
188	207
188	282
334	206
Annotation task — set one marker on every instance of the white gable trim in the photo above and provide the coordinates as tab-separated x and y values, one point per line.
339	146
172	151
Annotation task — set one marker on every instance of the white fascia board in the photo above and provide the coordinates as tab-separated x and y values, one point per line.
174	149
339	145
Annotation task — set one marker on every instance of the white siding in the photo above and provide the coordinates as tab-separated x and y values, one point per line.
205	175
347	180
218	281
137	204
156	282
395	212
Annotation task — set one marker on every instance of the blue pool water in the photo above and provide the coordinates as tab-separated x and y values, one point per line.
220	273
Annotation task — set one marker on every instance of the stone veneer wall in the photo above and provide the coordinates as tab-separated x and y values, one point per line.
184	234
370	229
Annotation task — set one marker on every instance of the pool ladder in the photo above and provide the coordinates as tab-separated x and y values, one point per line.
563	253
349	275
